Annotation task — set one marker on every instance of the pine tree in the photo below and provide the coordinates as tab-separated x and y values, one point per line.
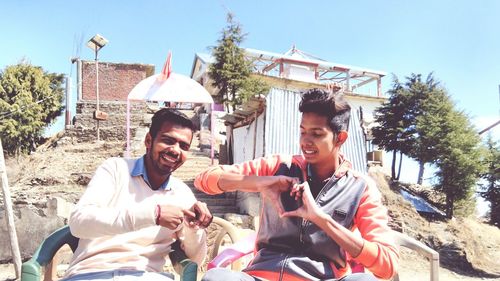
420	92
455	146
30	99
231	71
395	132
490	191
419	120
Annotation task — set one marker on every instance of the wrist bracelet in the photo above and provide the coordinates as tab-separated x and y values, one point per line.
158	214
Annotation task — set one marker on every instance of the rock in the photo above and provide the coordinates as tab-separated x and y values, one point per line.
57	206
240	221
31	226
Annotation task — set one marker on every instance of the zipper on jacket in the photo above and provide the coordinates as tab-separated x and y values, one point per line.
305	222
283	267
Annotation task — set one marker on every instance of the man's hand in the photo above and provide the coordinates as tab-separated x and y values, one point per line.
271	186
198	215
309	209
170	216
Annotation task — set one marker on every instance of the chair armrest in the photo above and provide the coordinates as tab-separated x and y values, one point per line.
186	268
410	243
232	253
31	270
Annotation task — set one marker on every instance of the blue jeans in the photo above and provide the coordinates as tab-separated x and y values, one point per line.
122	275
223	274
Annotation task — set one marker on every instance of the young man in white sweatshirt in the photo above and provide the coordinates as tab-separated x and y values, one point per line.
134	209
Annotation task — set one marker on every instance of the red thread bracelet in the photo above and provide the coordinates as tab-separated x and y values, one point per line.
158	214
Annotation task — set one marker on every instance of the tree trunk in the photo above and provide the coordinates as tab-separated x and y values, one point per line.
400	164
420	172
393	166
449	206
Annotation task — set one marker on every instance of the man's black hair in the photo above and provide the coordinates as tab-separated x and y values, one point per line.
169	115
329	104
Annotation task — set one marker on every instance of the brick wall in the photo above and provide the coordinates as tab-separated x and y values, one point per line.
116	80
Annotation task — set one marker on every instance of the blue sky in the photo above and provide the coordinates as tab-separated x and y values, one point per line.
458	40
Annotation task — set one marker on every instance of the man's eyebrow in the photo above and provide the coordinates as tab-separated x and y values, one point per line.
313	129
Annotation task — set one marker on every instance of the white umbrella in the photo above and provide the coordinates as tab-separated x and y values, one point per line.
167	86
176	88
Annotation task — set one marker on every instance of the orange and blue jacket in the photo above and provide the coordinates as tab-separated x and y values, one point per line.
296	249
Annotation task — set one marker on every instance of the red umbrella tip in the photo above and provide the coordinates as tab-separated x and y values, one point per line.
167	68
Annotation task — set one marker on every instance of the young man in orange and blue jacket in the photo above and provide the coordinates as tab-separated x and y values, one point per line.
317	215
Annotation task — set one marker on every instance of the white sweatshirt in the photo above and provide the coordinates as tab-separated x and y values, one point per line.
115	221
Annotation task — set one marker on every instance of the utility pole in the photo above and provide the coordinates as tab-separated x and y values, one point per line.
96	43
11	227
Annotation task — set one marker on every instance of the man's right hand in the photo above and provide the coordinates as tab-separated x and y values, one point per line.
171	216
271	186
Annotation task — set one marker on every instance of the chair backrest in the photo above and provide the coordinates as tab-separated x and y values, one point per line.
43	256
54	242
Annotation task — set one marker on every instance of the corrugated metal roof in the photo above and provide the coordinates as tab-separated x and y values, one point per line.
245	113
320	62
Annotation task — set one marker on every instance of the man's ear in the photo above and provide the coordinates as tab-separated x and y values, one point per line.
148	141
341	137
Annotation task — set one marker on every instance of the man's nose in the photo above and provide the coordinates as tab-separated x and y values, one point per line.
306	139
175	147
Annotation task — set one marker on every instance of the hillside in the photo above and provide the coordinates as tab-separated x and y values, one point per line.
469	250
466	246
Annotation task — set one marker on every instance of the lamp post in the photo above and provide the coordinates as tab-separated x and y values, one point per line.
96	43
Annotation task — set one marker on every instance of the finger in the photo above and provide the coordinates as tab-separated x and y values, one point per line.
294	190
298	195
278	207
292	181
202	212
190	215
289	214
207	221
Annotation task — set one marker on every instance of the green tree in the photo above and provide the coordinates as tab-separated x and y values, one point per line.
490	190
396	132
456	148
231	72
30	99
424	141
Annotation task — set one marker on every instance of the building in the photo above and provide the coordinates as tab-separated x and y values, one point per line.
268	125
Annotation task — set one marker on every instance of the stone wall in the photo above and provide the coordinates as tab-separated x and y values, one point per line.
34	222
114	128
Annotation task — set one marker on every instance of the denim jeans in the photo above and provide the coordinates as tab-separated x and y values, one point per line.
122	275
223	274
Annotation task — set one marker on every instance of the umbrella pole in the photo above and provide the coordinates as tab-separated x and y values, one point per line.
127	153
212	134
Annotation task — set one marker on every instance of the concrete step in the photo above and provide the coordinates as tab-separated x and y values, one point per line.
220	211
217	202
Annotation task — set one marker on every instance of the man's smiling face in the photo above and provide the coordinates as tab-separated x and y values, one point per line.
169	148
317	140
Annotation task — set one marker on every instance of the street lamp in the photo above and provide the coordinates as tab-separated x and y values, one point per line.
96	43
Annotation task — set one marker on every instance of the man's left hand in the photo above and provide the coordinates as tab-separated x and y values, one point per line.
198	215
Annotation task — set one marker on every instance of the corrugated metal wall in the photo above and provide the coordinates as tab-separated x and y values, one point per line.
354	148
282	129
